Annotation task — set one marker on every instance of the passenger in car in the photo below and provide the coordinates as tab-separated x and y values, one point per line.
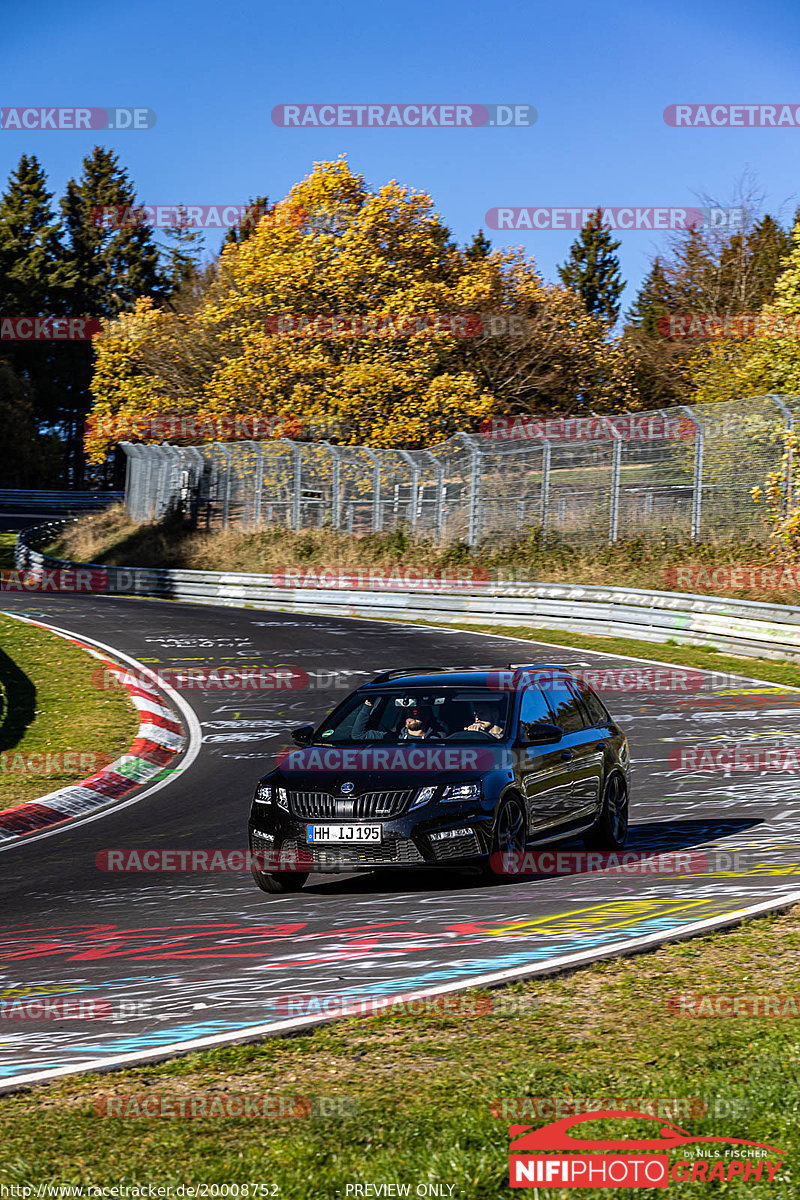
484	719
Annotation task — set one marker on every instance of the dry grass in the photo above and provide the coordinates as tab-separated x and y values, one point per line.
109	538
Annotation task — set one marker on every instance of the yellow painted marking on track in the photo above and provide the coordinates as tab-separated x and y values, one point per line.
611	915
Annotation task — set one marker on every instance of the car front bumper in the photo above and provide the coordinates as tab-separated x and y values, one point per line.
444	838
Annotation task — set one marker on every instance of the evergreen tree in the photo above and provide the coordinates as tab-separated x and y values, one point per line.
33	274
23	454
116	262
653	300
769	246
592	270
256	209
31	261
111	265
479	247
181	256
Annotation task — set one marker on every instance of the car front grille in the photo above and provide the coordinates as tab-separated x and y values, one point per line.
315	805
397	852
457	847
260	843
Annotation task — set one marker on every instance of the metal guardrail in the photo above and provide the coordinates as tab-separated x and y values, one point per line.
25	498
745	627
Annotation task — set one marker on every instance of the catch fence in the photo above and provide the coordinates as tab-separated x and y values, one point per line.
688	470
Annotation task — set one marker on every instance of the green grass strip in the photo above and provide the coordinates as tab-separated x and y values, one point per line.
54	710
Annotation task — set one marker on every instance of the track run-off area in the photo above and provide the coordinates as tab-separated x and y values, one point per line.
192	959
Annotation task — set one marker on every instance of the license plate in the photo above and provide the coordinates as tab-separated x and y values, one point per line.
344	833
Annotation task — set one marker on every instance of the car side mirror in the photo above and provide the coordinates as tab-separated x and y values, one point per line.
302	735
541	734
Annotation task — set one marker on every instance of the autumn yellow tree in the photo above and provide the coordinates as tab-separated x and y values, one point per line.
334	246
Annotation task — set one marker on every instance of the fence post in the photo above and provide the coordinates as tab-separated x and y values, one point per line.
131	473
194	484
697	481
412	524
545	485
438	503
376	489
258	485
616	463
789	416
473	516
226	500
335	483
298	486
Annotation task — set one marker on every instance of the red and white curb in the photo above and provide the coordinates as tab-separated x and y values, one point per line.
160	737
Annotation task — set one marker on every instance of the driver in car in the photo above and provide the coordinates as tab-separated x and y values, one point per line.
484	720
418	724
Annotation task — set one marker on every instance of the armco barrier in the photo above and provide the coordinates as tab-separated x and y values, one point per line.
24	498
740	626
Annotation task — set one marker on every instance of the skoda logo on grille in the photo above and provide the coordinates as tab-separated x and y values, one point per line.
347	788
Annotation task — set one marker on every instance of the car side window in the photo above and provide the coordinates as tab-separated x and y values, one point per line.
532	711
597	711
566	707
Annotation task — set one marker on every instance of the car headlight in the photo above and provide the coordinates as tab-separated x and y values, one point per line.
263	794
281	798
462	791
423	796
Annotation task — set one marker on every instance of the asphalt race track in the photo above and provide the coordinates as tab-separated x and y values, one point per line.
184	957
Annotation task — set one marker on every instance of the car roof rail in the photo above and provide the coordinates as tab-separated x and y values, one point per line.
400	671
536	667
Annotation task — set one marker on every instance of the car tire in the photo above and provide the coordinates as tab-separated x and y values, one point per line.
509	837
279	881
610	831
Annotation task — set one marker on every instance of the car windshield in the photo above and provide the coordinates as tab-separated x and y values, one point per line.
414	714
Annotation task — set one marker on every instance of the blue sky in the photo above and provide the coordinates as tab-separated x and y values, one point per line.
599	76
